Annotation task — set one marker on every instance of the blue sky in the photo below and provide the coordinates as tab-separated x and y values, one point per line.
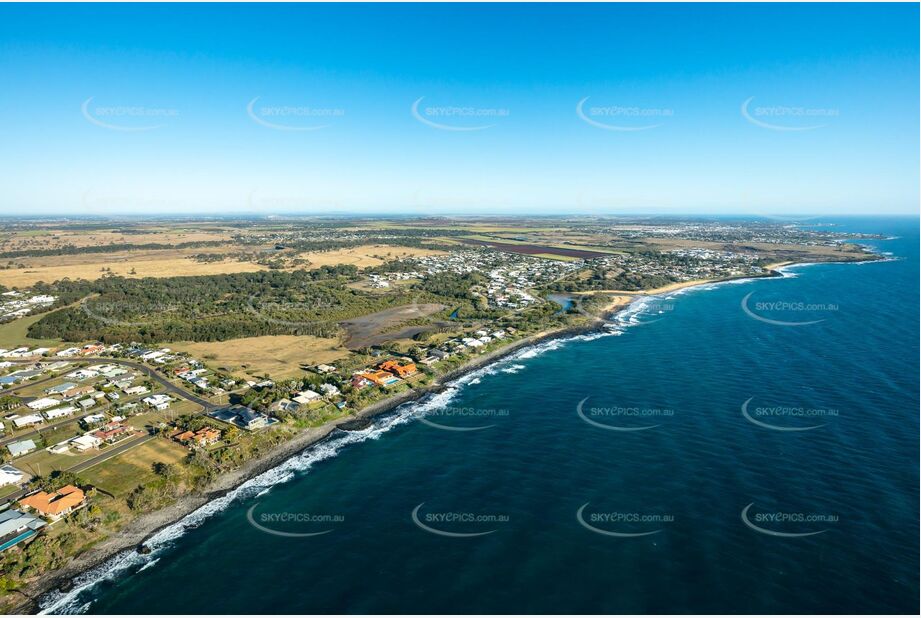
742	109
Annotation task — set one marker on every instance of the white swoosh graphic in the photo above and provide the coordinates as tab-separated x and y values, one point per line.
769	426
768	125
608	127
252	520
85	108
769	321
456	535
272	125
603	425
443	127
623	535
748	523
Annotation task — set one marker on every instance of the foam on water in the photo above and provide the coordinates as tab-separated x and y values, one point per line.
130	561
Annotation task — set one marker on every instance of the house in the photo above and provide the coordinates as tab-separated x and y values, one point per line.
20	448
76	391
306	397
136	390
56	366
112	432
128	408
325	369
93	419
285	405
241	416
44	403
56	504
201	438
158	402
16	527
68	352
381	378
360	382
60	388
87	403
329	390
82	374
92	348
399	369
27	420
86	442
10	475
59	412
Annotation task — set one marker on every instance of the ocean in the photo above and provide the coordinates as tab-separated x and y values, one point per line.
749	447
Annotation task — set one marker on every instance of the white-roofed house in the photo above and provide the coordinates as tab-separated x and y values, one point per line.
44	403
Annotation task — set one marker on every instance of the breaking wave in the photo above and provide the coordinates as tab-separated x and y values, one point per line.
78	598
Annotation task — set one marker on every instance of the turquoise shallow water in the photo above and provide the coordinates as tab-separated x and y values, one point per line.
684	365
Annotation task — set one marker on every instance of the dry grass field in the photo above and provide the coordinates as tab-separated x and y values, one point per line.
129	264
364	255
279	356
55	238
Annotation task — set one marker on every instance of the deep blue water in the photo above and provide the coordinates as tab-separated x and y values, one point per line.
688	363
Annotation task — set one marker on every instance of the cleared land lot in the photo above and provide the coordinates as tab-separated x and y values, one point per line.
121	474
279	356
376	328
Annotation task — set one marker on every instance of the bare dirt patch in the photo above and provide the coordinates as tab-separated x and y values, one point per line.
376	328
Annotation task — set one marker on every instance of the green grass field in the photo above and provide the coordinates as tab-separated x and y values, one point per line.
121	474
14	334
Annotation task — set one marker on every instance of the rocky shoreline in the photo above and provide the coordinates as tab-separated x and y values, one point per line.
135	535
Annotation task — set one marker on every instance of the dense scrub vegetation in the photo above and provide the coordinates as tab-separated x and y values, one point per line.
209	308
111	248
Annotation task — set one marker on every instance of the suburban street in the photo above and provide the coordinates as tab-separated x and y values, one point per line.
120	447
152	373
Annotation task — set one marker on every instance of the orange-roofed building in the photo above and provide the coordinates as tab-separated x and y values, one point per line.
381	378
203	437
56	504
396	368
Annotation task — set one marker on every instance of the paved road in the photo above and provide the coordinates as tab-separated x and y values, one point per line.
154	375
67	421
112	451
28	383
35	432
